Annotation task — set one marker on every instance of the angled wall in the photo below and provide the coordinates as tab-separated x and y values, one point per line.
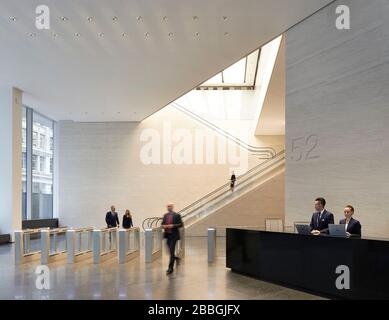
272	117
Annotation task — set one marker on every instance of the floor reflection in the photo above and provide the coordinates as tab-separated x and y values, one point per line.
194	278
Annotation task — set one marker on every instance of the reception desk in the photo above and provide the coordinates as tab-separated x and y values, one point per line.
309	263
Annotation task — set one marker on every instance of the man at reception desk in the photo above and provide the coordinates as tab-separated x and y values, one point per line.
321	218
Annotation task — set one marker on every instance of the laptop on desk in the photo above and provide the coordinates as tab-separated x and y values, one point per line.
303	228
337	230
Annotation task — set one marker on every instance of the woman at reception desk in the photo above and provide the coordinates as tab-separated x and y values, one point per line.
352	226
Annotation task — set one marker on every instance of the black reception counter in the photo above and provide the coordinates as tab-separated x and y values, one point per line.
317	264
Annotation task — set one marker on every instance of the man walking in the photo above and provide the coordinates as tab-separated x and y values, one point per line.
111	218
171	223
112	221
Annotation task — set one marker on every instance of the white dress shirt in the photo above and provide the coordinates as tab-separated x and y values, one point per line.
319	217
346	224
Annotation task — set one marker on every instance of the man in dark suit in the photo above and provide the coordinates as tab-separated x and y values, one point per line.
111	218
112	221
321	218
171	223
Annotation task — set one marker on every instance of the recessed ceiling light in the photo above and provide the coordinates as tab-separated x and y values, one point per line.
13	19
225	18
63	18
195	18
124	34
164	18
139	18
170	34
147	34
89	19
115	18
77	34
101	34
197	34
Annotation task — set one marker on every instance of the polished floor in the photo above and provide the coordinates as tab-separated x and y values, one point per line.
194	278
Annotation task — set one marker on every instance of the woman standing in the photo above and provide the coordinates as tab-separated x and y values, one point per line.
127	220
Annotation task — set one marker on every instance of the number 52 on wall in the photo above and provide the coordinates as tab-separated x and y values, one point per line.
302	148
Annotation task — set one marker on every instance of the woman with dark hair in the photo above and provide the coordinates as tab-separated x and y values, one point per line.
127	220
352	226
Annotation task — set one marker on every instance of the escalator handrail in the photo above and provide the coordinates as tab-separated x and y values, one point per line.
262	166
239	178
269	150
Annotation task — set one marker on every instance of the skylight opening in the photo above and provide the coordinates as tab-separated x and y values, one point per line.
239	75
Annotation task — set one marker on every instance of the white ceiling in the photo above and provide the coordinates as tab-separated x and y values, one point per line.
116	78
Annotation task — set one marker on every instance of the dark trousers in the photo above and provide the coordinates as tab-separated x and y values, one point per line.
171	243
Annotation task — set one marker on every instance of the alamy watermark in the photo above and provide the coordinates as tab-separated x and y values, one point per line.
42	19
43	277
342	21
191	146
342	282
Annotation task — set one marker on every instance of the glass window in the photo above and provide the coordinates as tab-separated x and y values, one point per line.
37	165
42	141
235	73
24	163
51	165
42	180
42	164
24	133
240	74
34	162
35	139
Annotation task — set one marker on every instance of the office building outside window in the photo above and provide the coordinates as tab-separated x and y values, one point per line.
42	181
42	142
38	198
34	163
24	163
35	139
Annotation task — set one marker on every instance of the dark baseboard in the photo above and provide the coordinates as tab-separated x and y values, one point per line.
5	238
40	223
31	224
